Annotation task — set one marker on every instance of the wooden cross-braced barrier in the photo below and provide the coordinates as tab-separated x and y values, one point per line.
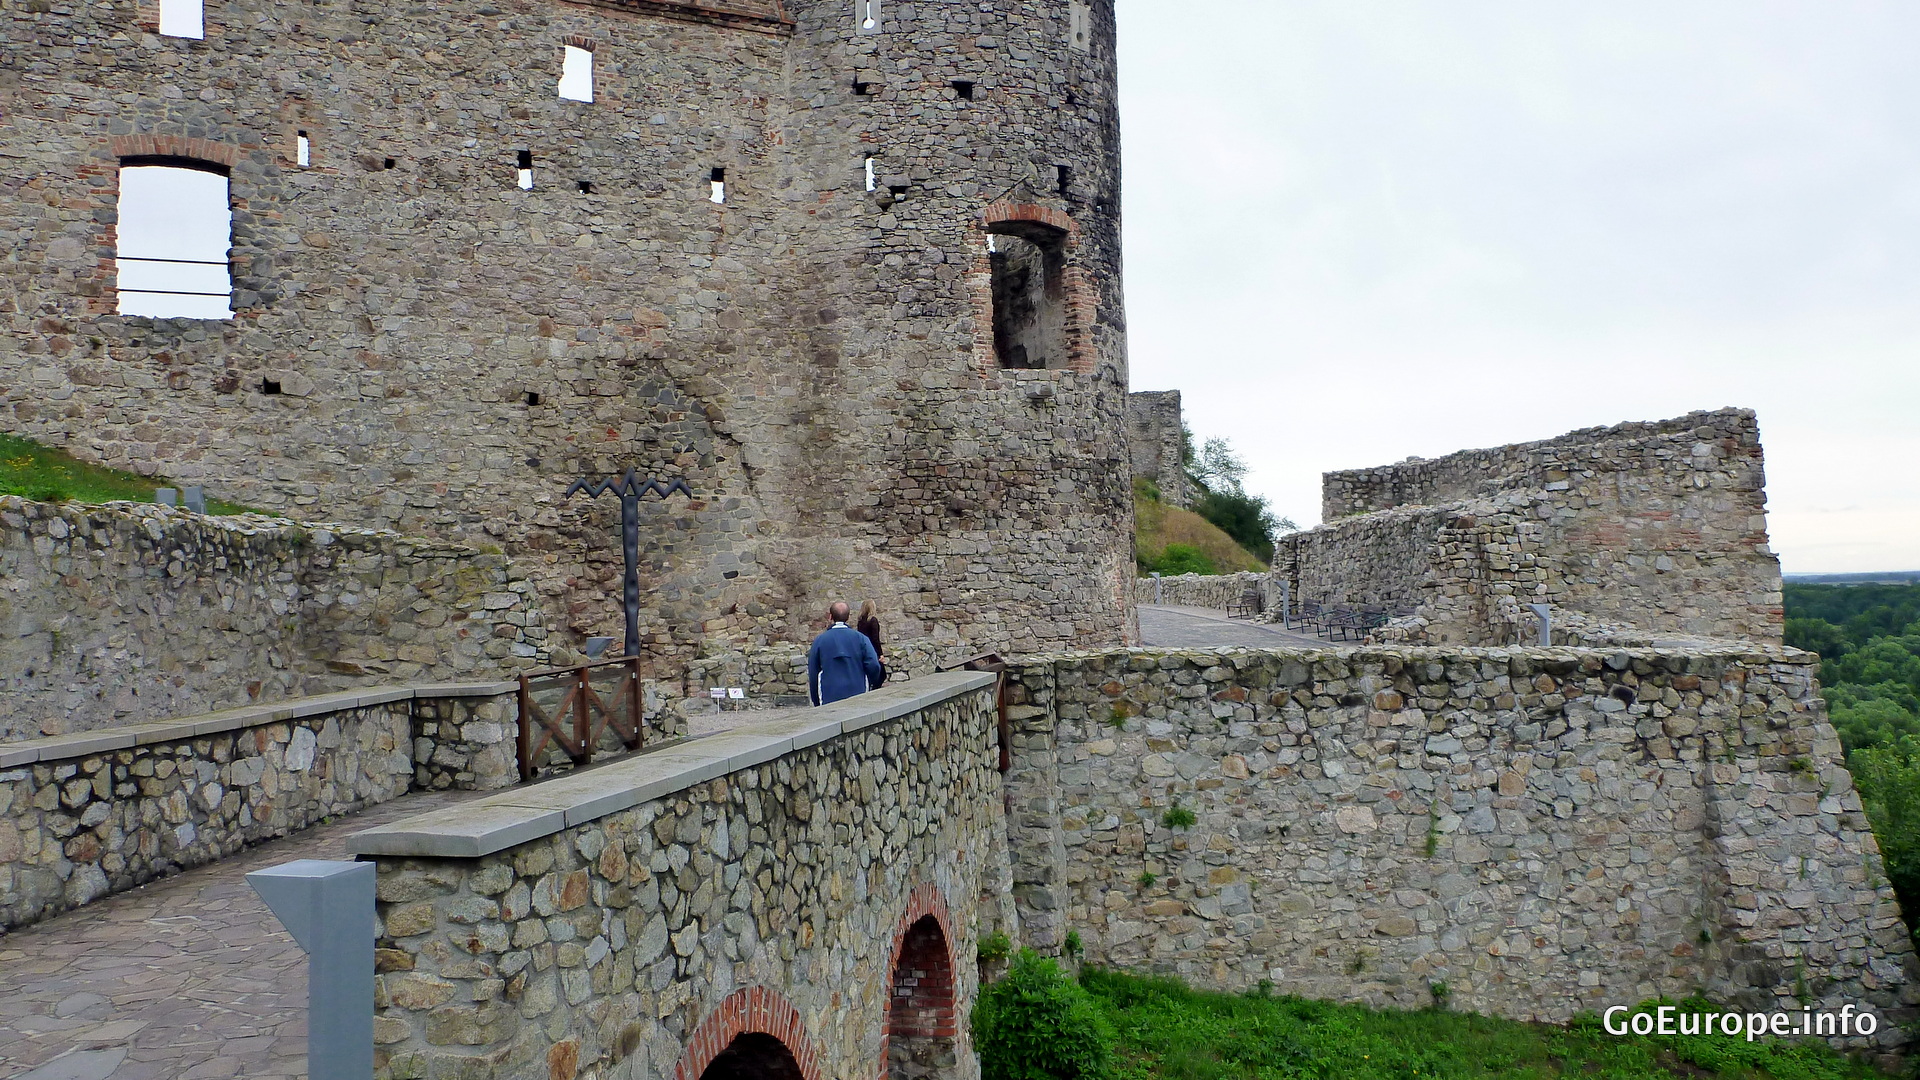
584	713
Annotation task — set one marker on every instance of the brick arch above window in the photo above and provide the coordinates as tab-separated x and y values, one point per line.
1079	299
753	1010
579	42
174	146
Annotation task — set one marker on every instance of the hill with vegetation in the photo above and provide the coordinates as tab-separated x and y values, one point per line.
1170	540
1868	638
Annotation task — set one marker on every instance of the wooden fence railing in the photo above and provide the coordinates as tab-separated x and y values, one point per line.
578	709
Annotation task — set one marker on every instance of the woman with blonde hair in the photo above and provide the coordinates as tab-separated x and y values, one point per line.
869	624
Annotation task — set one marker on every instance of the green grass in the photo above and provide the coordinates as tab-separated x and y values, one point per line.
1169	1032
48	475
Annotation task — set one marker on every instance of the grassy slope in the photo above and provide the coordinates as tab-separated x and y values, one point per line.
49	475
1168	1032
1155	525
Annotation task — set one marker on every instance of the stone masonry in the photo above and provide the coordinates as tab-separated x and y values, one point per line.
1544	831
1656	526
420	344
635	920
129	613
85	815
1156	441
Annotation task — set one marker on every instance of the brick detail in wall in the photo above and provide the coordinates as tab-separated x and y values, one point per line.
921	1004
218	153
755	1009
760	16
1082	299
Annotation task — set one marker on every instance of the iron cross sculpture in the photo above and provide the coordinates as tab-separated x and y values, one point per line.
630	488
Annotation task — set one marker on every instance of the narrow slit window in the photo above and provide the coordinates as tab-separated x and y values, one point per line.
525	163
870	178
718	190
175	227
302	150
867	14
1065	173
183	18
576	74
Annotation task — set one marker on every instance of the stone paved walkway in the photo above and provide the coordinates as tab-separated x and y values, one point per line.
1202	628
190	977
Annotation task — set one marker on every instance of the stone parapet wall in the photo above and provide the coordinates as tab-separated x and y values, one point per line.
611	920
1660	527
83	816
1198	590
1471	474
1546	832
126	613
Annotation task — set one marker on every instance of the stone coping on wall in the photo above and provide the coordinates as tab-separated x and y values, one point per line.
484	826
67	747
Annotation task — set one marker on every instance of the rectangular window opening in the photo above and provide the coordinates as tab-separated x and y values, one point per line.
963	89
576	74
524	161
183	18
388	163
586	186
269	386
174	230
302	150
870	178
1066	179
533	398
1029	301
718	180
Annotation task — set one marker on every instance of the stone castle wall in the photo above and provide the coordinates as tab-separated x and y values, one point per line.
740	865
1156	442
1659	526
126	613
1544	831
1198	590
420	344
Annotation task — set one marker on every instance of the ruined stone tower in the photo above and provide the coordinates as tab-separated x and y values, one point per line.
851	267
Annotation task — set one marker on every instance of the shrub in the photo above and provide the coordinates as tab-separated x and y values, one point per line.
1074	946
993	947
1037	1024
1184	559
1178	817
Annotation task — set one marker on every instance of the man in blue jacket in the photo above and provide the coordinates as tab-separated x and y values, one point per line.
842	662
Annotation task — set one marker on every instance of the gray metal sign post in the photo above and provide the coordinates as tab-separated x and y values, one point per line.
328	908
1545	614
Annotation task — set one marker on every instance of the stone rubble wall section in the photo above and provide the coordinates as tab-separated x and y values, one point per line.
813	357
1156	443
1200	590
1472	474
125	613
1546	832
1660	527
605	945
75	830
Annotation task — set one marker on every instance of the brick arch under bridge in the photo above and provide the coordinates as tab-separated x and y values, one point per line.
922	1028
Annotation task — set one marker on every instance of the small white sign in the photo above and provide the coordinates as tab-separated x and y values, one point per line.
716	691
737	693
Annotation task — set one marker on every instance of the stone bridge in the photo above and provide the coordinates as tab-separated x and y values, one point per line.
799	898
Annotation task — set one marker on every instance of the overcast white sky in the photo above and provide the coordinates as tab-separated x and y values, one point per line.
1359	231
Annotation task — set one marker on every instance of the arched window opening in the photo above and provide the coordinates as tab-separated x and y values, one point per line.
175	228
921	1028
1029	294
753	1056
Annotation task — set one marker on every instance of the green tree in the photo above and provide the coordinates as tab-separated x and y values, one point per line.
1219	473
1889	781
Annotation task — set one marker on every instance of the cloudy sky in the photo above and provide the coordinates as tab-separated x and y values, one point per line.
1356	232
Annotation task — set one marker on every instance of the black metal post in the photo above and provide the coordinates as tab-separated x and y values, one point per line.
629	488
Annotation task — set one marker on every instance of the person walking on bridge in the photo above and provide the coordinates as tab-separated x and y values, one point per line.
842	662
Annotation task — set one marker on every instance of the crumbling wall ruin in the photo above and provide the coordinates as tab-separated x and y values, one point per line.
1657	526
1156	441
